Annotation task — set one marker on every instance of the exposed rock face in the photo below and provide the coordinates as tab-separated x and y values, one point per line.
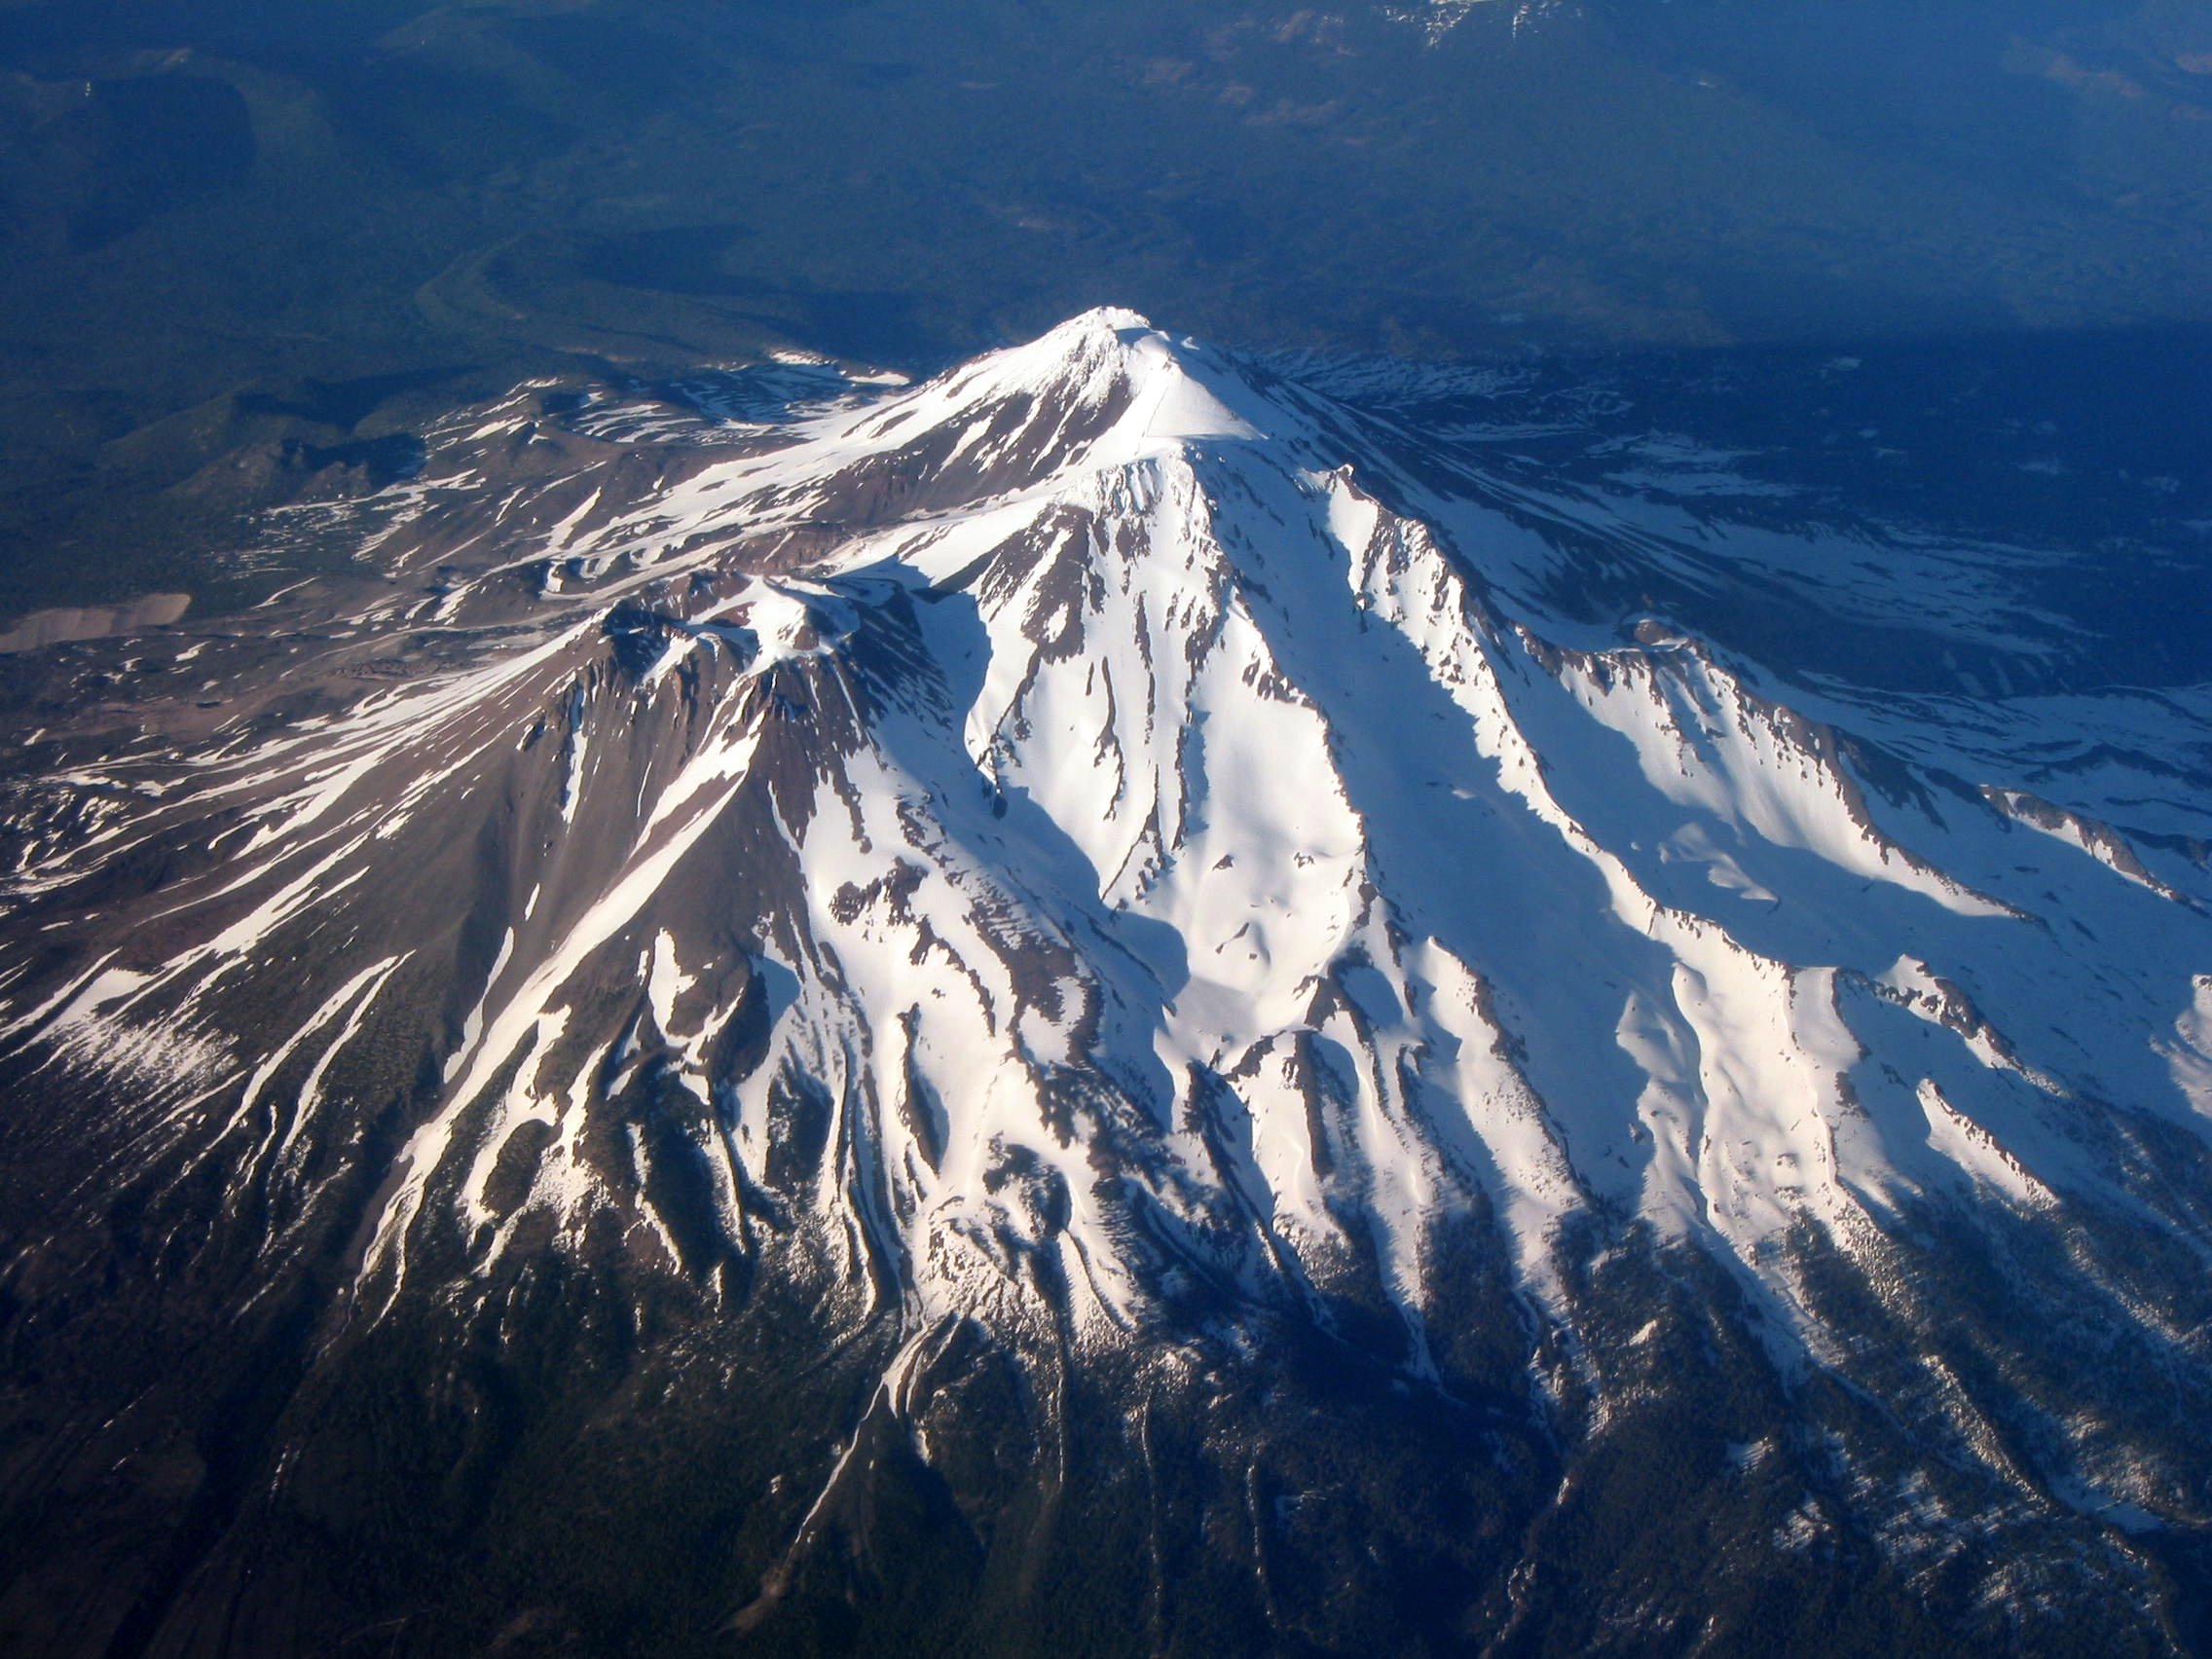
1096	907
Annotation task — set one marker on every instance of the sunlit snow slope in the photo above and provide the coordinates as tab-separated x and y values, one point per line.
1103	830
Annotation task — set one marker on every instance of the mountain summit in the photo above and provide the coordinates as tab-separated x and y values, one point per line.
1105	900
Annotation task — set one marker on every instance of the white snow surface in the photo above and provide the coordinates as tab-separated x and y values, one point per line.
1151	849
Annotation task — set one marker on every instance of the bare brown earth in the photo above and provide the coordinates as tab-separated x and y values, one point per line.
94	622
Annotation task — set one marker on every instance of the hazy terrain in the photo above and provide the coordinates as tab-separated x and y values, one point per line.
233	224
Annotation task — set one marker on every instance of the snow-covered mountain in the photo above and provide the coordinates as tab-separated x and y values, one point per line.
1109	860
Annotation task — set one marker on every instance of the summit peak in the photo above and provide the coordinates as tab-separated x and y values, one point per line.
1104	389
1113	319
1106	343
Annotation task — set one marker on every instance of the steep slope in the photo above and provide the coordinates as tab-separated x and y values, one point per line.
1109	860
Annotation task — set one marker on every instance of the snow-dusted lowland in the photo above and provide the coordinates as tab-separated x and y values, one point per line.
1111	853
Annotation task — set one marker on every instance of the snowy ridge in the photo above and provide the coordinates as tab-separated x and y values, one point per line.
1082	833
